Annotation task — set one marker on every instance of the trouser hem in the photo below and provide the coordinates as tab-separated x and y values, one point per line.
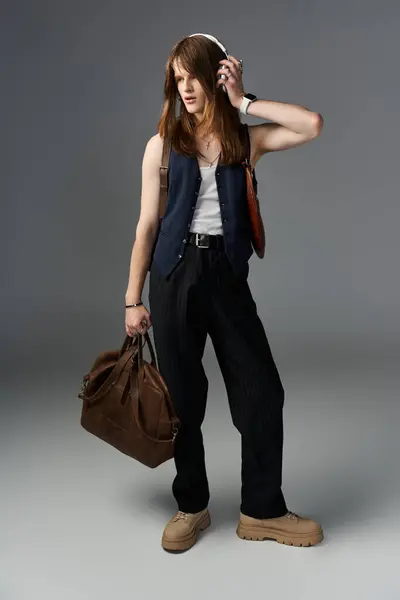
191	509
265	514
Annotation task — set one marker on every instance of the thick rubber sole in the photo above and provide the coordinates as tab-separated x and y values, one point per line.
189	540
246	532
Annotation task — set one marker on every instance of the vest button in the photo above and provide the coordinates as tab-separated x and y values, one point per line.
222	204
197	193
179	255
184	240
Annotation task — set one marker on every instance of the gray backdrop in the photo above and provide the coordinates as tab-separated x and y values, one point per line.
81	94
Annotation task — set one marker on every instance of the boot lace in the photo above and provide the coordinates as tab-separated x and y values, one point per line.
181	515
292	515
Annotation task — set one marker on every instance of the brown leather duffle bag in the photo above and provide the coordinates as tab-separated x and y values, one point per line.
126	403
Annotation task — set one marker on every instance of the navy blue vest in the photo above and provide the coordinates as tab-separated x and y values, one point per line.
184	180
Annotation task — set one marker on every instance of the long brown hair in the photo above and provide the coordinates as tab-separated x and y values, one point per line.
200	56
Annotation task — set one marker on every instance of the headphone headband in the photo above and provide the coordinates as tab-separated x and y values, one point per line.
213	39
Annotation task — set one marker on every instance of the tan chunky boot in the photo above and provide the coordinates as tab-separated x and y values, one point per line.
290	529
180	532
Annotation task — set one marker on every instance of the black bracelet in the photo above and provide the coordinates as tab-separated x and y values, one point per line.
137	304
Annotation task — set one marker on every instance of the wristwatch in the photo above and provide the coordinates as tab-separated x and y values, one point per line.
247	99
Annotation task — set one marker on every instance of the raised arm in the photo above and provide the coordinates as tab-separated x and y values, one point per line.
292	126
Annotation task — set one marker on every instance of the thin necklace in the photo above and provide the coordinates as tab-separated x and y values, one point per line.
208	143
210	163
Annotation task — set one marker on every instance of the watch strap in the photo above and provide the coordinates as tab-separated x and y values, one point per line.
246	100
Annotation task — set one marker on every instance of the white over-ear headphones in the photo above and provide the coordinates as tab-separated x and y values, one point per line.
214	39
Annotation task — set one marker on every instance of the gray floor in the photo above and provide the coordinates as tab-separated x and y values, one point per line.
80	520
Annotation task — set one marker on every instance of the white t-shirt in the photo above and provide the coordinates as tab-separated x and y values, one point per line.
207	214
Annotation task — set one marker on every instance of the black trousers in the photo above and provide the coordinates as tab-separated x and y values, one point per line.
203	295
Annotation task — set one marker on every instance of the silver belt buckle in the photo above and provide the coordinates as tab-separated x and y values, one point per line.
197	242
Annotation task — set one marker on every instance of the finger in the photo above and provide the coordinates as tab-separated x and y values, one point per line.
237	63
226	61
229	75
226	65
231	72
231	64
234	60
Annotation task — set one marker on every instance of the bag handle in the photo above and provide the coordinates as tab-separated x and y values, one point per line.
110	381
140	369
126	353
140	350
140	372
135	403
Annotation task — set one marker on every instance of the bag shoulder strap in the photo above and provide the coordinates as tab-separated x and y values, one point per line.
252	170
246	141
166	153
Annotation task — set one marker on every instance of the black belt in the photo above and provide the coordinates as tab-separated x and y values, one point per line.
206	240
